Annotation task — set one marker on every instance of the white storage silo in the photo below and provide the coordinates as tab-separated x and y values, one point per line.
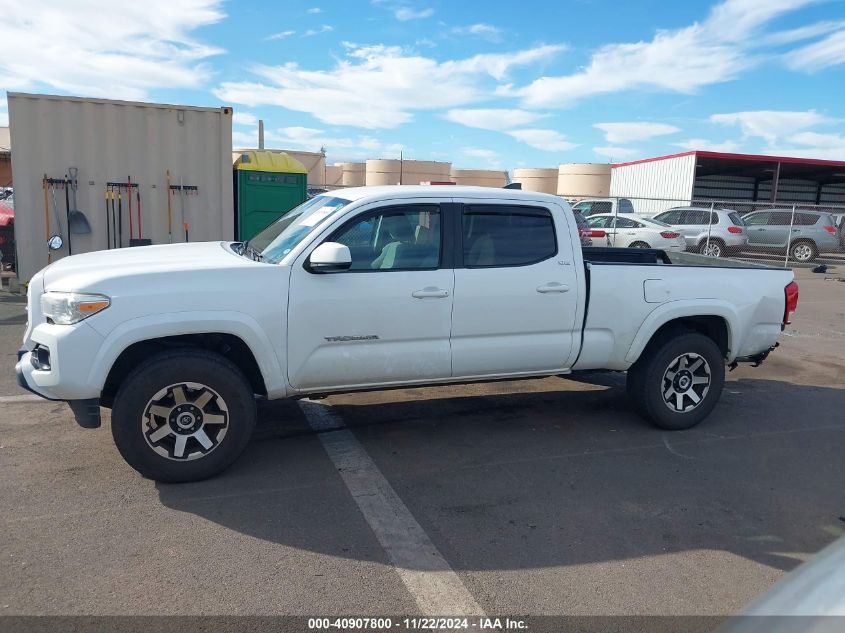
584	180
354	174
480	177
543	179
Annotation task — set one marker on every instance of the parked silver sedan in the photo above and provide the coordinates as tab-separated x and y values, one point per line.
636	232
716	232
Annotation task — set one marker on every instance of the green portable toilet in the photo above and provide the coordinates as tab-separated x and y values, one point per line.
267	185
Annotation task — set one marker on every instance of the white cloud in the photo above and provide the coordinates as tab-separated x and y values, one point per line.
244	118
377	86
634	131
403	14
487	158
314	10
281	35
803	32
105	48
681	60
546	140
770	124
710	146
493	118
828	52
615	153
326	28
826	146
481	29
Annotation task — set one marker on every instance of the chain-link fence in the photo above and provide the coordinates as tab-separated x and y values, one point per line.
783	232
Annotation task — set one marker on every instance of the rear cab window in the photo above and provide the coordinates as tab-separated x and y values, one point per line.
507	235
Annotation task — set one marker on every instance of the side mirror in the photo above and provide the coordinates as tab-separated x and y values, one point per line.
330	257
55	242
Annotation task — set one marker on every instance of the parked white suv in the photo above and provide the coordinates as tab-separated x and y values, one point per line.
592	206
716	232
377	287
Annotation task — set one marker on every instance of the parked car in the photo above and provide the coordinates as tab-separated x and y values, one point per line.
637	232
716	232
584	230
380	287
809	233
839	218
592	206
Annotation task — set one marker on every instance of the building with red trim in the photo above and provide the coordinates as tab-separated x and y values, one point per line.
657	183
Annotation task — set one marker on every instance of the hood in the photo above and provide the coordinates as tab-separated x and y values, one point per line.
87	271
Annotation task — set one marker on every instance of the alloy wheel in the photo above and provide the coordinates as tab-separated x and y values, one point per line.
802	252
713	249
686	382
185	421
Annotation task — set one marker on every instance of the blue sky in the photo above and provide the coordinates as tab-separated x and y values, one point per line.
487	85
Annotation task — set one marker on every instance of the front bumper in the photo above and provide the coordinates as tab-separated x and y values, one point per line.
85	411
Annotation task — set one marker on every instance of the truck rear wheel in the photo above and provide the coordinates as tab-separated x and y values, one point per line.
677	381
183	415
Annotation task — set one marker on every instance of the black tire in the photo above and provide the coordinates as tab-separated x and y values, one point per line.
717	248
798	251
639	245
207	386
647	382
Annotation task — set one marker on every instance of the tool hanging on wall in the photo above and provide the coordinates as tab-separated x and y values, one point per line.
139	241
76	220
119	218
108	219
56	207
47	221
169	211
114	219
129	202
67	219
184	190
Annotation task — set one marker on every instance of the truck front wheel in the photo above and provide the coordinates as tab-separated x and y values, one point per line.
183	415
678	380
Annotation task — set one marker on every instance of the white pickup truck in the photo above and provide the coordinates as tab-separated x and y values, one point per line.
377	287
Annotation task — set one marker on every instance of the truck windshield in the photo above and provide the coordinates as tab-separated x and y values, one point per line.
280	238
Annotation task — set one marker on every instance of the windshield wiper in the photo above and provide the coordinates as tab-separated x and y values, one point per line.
245	249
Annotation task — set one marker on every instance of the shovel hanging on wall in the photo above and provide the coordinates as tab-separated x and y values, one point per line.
76	220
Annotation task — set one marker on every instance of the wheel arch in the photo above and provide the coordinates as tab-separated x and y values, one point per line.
715	321
235	336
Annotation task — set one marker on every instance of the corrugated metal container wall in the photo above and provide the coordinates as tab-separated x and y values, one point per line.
655	185
108	141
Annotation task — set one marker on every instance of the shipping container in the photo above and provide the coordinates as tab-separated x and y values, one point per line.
110	142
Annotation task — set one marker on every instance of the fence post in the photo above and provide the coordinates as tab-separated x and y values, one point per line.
789	238
709	227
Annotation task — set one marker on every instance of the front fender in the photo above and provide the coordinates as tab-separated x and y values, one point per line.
672	310
155	326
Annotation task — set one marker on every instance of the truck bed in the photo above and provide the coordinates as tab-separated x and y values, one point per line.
654	256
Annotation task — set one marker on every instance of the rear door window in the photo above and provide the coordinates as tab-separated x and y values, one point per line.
500	235
603	206
780	218
627	223
625	206
669	217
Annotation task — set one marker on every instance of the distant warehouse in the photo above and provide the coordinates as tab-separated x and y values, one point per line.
654	184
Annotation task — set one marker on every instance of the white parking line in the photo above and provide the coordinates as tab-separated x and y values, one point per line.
430	580
22	398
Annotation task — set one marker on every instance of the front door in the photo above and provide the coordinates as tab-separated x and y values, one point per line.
516	295
386	319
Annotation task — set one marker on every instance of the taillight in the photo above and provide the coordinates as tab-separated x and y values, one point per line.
830	229
670	235
598	233
791	295
735	229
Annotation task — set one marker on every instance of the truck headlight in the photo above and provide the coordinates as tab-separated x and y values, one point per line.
66	308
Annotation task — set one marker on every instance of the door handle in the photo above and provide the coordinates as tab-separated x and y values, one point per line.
553	286
430	292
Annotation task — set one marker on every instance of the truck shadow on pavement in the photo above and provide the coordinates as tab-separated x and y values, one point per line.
550	478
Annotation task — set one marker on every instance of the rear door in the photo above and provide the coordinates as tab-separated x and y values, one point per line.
516	291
